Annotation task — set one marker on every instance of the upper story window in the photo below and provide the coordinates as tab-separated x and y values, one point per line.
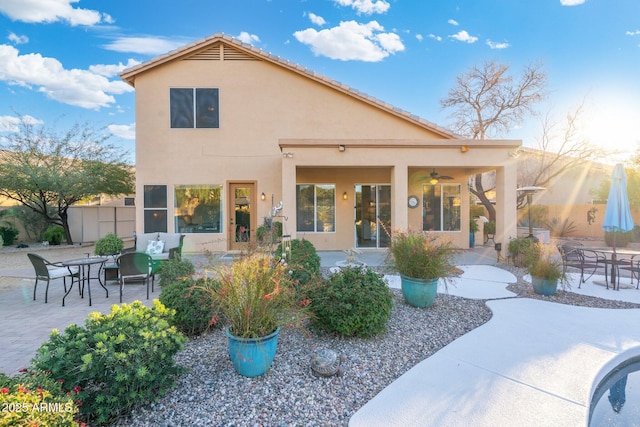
194	108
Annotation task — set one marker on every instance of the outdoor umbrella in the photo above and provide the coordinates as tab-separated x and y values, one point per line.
617	217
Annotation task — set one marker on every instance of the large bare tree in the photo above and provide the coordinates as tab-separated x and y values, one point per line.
49	171
487	101
561	148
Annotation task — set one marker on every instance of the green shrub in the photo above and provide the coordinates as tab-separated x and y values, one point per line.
194	303
269	234
54	235
621	238
302	259
489	227
1	242
519	248
353	302
173	269
9	234
36	399
110	244
116	360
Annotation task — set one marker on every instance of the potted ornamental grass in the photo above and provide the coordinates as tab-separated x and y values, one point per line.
546	269
256	297
421	258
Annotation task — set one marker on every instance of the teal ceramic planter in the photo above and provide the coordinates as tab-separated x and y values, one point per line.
252	357
544	286
419	292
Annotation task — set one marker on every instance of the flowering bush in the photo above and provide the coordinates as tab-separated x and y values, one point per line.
116	360
35	399
421	255
193	302
256	296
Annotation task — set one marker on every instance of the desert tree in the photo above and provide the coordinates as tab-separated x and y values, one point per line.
48	171
486	101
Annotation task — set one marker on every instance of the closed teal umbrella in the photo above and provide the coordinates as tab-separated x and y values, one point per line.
617	217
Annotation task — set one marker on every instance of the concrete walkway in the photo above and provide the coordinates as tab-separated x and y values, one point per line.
535	363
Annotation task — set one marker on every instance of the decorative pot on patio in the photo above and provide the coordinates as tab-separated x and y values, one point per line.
252	357
419	292
544	286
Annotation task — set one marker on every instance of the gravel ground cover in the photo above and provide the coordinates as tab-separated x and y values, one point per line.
210	393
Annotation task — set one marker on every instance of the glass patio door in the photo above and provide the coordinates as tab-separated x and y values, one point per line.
372	215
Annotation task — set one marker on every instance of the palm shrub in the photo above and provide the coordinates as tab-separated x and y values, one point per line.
173	269
301	259
355	302
116	361
20	394
194	303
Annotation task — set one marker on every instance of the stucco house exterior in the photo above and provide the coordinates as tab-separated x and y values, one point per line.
227	134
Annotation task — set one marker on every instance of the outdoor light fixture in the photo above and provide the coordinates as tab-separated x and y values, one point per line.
464	148
529	191
263	196
344	196
341	148
287	154
498	247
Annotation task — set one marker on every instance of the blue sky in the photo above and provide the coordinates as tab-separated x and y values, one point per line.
60	59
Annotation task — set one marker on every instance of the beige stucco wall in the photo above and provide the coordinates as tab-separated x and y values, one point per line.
266	109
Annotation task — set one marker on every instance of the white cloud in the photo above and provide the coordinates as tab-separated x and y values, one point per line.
419	37
123	131
633	33
35	11
81	88
316	20
571	2
352	41
148	45
247	38
16	39
11	123
453	22
112	70
463	36
494	45
436	38
367	7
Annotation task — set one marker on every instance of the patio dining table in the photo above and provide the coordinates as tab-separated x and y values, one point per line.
84	265
616	258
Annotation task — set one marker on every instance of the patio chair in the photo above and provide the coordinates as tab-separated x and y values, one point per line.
48	271
135	266
584	260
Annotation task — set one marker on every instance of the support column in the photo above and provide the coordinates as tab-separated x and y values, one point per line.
289	194
400	191
506	202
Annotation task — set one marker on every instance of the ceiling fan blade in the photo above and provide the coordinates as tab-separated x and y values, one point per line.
445	177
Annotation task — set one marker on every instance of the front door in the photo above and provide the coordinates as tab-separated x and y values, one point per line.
242	215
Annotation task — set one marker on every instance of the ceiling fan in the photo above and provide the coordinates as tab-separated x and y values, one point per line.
435	177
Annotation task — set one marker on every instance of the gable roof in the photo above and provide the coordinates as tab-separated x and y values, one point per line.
222	47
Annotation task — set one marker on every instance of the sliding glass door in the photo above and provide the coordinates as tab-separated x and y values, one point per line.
372	215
